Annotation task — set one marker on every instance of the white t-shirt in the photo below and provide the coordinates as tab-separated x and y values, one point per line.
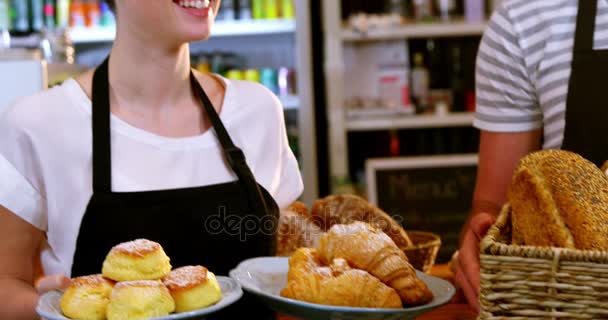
46	164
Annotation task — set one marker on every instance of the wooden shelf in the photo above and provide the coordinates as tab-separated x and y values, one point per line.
459	119
416	30
220	29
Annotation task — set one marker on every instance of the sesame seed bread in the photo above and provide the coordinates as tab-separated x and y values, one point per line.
559	199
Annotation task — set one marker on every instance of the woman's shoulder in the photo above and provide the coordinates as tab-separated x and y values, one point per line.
44	107
253	98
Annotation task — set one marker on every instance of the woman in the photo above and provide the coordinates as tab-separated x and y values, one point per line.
82	164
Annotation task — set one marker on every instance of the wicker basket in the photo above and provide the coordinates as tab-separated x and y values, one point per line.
423	253
524	282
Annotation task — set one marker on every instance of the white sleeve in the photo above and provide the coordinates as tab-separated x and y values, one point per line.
290	185
17	193
506	98
19	197
259	128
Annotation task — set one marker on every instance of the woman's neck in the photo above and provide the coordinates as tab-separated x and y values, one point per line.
144	74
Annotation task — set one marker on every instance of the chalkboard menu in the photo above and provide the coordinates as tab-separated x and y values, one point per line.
425	193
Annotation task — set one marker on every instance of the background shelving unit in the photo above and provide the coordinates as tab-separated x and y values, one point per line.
337	38
456	119
416	30
264	43
220	29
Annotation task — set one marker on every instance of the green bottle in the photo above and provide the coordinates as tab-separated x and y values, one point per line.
5	18
257	6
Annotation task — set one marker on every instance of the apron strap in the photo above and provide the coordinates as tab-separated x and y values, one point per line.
102	151
234	155
585	25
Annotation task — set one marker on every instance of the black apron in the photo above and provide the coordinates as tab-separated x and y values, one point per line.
214	226
587	106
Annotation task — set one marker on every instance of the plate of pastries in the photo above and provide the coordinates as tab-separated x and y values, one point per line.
138	282
341	261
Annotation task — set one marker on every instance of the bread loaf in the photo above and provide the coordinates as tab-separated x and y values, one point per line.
559	199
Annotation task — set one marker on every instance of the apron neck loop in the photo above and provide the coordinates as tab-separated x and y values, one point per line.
585	25
102	153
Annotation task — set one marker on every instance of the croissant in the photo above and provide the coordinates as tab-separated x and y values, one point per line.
370	249
344	209
336	285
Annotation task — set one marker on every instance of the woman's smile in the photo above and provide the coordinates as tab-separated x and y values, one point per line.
199	8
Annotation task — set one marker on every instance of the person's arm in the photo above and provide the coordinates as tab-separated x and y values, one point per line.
19	244
499	154
19	247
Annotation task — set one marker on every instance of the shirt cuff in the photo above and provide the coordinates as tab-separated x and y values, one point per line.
506	127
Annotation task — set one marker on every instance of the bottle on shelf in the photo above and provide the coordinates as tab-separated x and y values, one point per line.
423	10
62	14
77	14
20	16
257	8
92	13
107	18
457	82
397	7
49	14
227	11
269	78
446	9
287	9
420	83
271	8
5	18
474	11
245	12
36	15
252	75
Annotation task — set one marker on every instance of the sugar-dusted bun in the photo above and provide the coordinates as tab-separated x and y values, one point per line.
87	298
136	260
192	288
133	300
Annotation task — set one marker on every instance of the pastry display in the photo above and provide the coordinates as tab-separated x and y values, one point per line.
137	283
337	285
355	265
192	288
344	209
134	300
296	230
136	260
559	199
87	298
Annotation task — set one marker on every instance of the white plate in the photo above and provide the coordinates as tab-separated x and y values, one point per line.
48	305
266	277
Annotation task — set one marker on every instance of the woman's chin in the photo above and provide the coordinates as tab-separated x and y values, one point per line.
194	35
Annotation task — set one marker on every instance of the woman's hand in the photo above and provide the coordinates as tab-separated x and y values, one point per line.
51	283
467	261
